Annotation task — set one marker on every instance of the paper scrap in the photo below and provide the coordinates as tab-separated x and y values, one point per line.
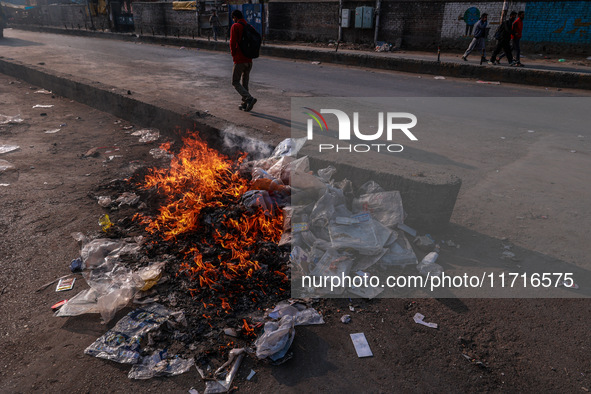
418	318
53	131
361	345
42	105
251	374
65	284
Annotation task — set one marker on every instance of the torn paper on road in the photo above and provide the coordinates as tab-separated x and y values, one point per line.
418	318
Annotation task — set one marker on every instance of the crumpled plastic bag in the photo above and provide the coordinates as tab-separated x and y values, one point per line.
385	207
276	340
160	364
302	316
122	342
289	147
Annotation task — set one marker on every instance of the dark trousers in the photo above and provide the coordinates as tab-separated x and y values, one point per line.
517	49
241	71
504	45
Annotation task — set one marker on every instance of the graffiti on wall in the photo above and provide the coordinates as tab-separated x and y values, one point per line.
558	21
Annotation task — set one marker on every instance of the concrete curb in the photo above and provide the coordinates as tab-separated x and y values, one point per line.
524	76
429	202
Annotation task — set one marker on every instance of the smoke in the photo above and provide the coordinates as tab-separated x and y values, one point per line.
236	138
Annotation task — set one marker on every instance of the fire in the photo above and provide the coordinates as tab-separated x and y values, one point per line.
202	191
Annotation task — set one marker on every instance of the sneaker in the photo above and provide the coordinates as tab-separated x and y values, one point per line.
250	103
242	107
464	58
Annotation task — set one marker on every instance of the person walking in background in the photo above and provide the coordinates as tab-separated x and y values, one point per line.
214	22
479	40
504	40
517	33
242	64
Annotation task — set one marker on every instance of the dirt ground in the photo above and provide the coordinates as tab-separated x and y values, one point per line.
524	345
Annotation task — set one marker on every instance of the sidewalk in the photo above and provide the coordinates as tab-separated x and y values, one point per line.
538	70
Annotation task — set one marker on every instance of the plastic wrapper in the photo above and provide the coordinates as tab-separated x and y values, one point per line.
8	148
326	173
224	385
276	339
6	119
370	187
151	274
385	207
302	315
286	166
122	342
399	253
128	199
331	264
366	237
289	147
159	364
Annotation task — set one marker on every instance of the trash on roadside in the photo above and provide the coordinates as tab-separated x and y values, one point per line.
5	119
507	255
151	274
58	304
52	131
122	342
128	199
104	201
42	105
418	318
251	374
223	386
428	267
409	230
424	242
346	319
43	91
489	82
5	165
276	339
573	285
562	60
474	361
8	148
76	265
160	364
147	135
439	77
231	332
158	153
193	391
361	345
65	284
105	222
316	63
382	46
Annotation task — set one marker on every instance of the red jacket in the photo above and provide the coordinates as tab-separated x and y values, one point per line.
517	28
235	37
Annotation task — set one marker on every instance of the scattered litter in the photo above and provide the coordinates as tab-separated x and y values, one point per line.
351	308
53	131
361	345
428	267
111	158
418	318
383	47
5	165
105	222
128	198
4	184
439	77
531	131
316	63
302	316
231	332
193	391
346	319
122	343
147	135
251	374
45	286
474	361
65	284
58	305
410	231
158	153
276	339
573	285
489	82
562	60
42	105
8	148
43	91
507	255
76	265
5	119
104	201
223	386
424	242
573	151
160	364
151	274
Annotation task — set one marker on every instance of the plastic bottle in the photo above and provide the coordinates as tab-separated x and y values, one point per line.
427	266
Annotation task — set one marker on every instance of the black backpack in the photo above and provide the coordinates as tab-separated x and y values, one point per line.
250	44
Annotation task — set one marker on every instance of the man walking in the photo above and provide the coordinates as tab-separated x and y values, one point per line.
242	64
517	32
478	42
214	22
504	40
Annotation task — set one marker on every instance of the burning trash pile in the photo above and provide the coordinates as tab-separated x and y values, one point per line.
202	249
